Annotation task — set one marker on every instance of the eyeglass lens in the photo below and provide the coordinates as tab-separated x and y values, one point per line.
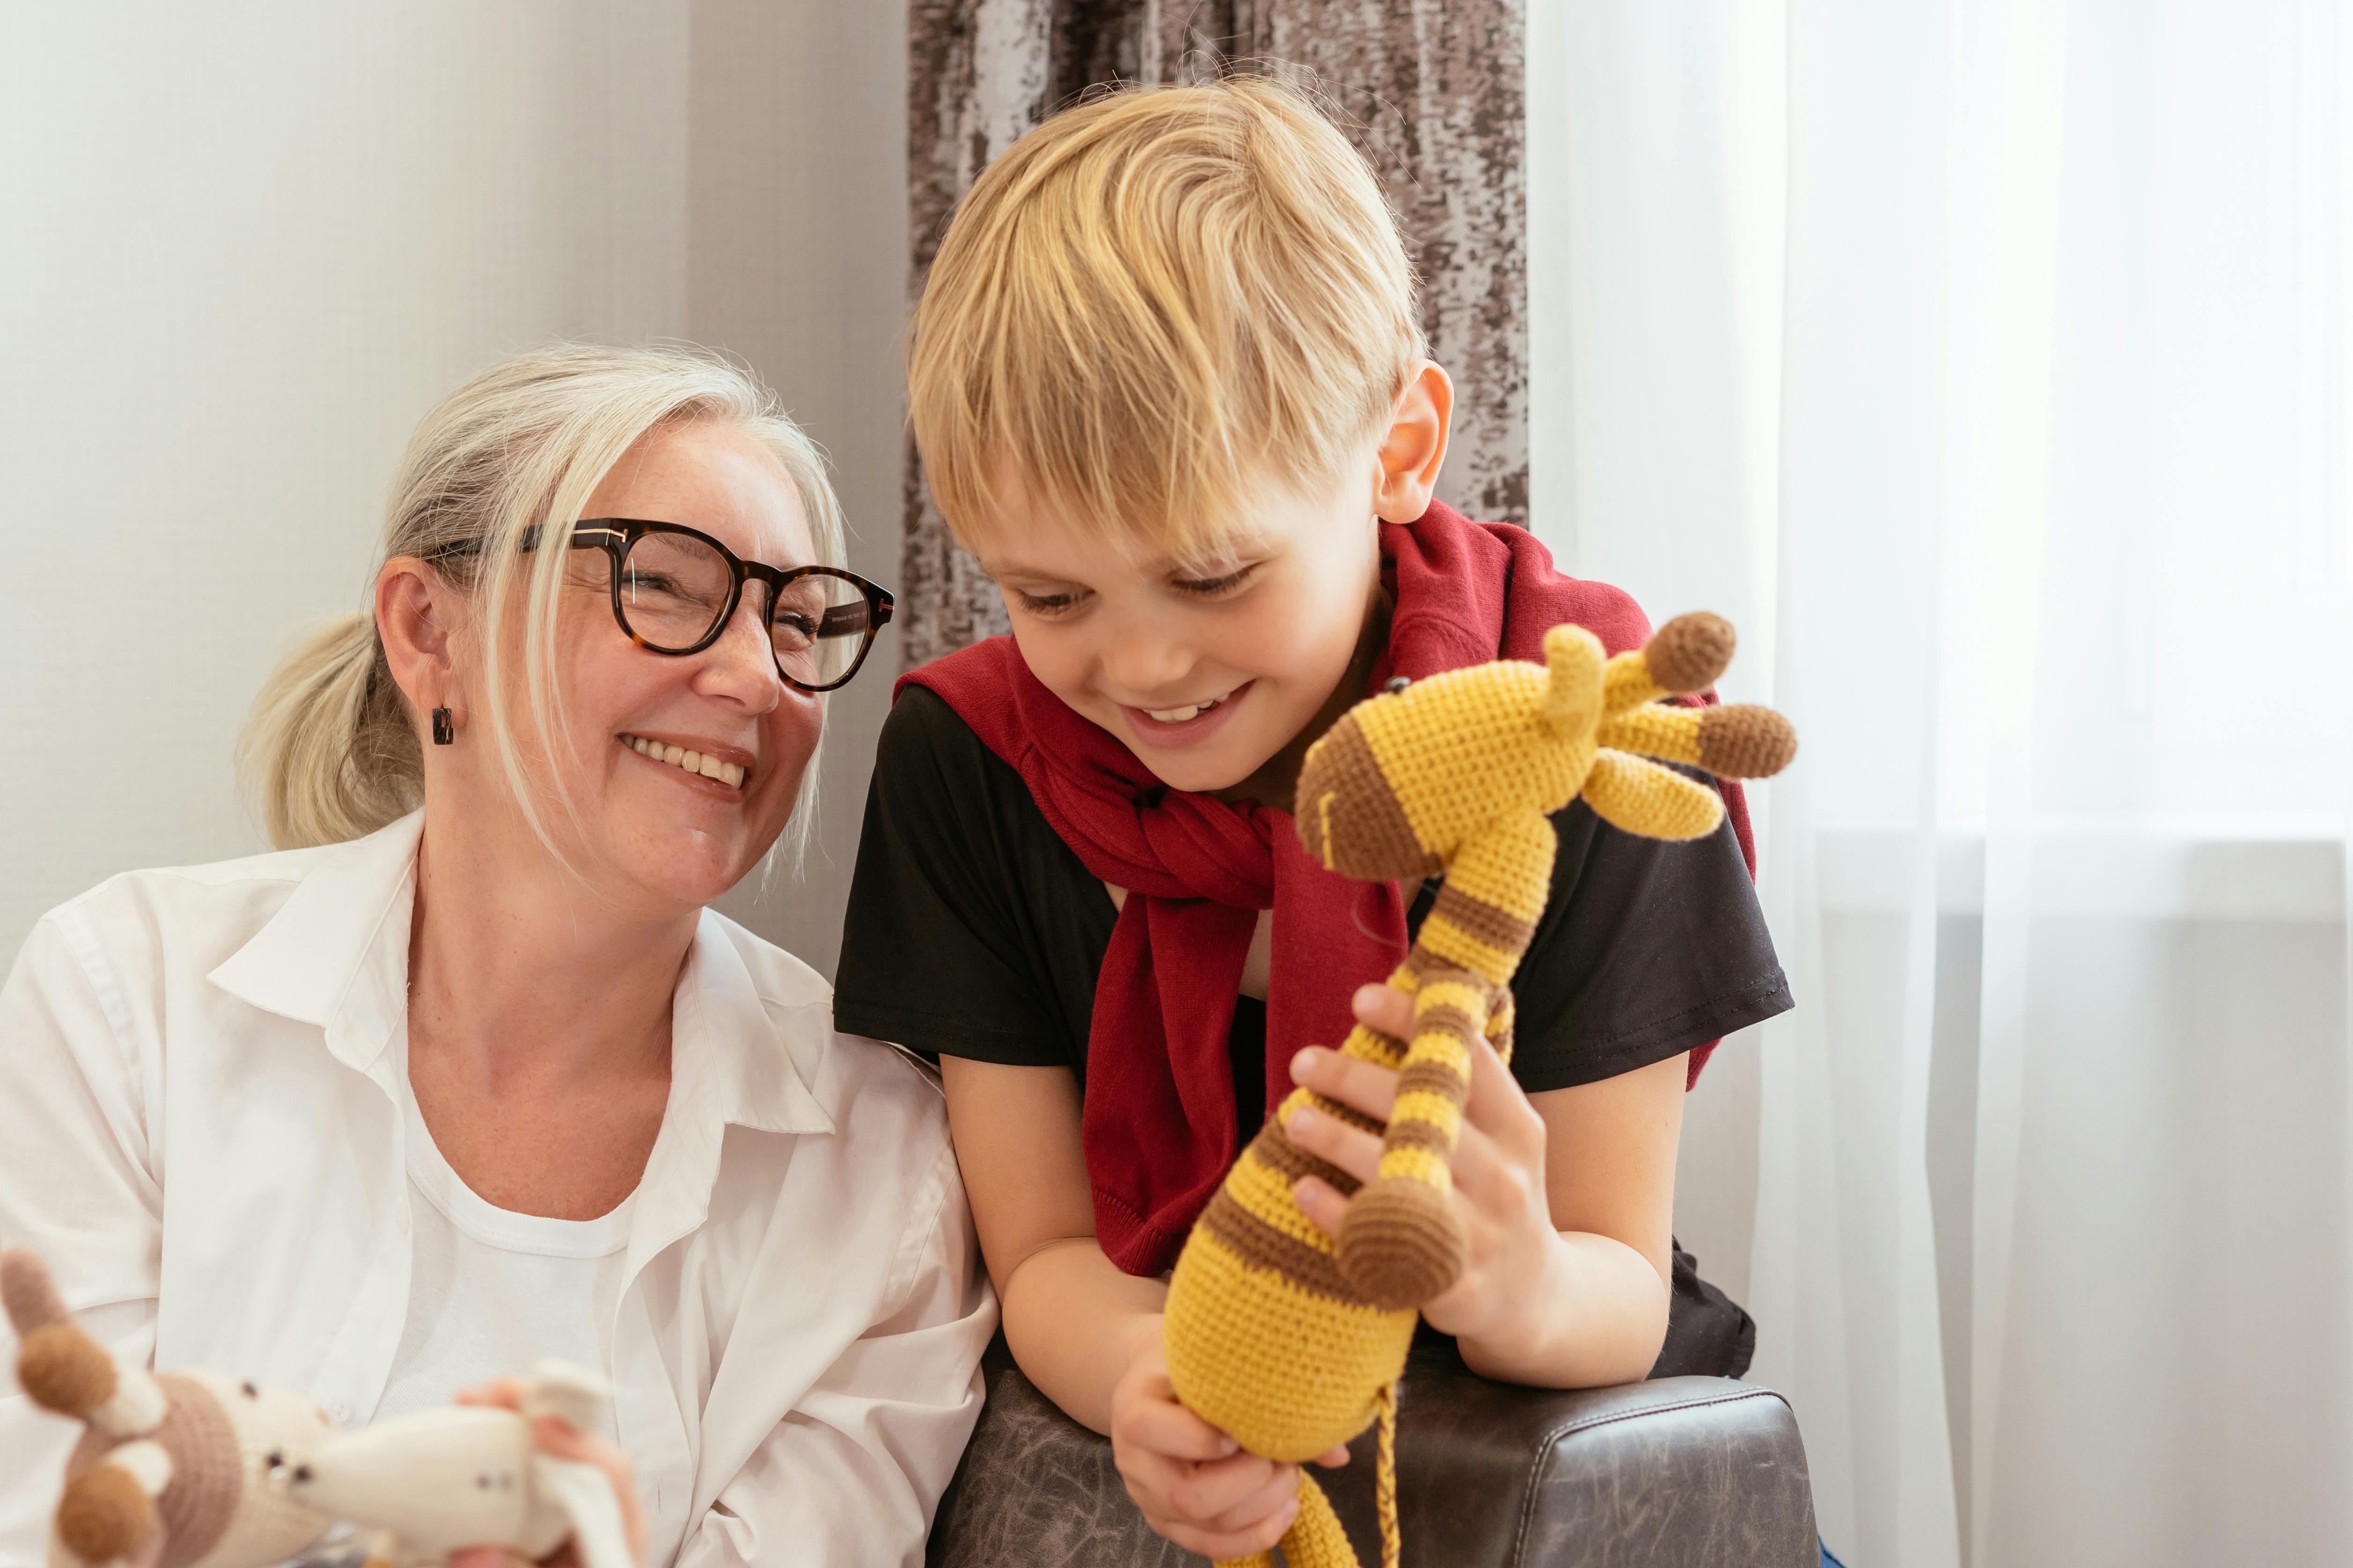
674	590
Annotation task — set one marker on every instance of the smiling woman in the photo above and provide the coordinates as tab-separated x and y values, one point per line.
471	1076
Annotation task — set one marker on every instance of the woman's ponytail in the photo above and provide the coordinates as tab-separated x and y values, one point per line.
329	751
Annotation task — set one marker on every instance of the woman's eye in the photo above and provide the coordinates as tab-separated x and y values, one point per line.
1211	588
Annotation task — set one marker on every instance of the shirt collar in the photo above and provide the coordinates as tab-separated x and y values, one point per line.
335	956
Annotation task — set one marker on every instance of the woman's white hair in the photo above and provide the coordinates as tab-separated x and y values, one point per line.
331	750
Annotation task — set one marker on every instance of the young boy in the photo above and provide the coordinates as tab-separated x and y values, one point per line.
1169	385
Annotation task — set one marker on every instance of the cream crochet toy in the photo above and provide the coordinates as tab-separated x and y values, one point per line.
192	1469
1289	1342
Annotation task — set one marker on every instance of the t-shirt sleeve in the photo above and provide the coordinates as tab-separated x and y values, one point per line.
1646	950
937	950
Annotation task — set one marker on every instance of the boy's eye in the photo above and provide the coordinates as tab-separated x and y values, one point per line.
1048	604
1211	588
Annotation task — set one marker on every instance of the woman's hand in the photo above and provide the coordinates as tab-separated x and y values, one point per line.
1192	1482
560	1439
1509	1283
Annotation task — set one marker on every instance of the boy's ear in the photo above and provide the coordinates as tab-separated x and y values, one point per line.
1415	447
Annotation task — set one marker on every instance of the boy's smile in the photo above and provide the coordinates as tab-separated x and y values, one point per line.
1205	671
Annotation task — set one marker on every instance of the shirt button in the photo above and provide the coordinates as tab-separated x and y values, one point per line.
338	1411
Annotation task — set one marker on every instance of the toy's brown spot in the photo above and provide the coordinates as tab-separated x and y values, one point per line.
105	1514
1744	741
1349	817
1689	652
64	1370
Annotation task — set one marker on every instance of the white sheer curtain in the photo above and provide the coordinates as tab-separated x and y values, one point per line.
1987	361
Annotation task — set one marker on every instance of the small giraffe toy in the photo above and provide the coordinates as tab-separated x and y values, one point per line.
1289	1341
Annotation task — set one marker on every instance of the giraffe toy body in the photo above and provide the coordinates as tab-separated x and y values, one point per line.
1291	1341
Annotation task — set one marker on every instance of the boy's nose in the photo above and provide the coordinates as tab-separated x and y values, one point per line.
1142	668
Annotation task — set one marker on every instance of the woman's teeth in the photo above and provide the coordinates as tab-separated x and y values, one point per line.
728	774
1178	715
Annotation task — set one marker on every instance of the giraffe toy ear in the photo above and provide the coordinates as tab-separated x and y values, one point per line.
1689	653
1574	660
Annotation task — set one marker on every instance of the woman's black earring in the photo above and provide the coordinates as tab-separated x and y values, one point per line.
444	733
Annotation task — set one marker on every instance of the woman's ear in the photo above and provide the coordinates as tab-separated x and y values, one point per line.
1415	446
415	608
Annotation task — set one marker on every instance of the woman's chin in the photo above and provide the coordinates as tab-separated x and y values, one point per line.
688	868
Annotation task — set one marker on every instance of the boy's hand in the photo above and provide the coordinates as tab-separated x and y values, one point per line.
1499	1172
1192	1482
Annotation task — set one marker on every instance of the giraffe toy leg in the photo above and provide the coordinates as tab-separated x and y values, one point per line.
1400	1244
1313	1541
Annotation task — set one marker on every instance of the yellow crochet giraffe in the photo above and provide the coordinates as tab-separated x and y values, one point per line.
1291	1343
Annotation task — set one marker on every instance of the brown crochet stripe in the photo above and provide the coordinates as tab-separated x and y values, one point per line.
1447	1019
1289	1161
1482	922
1339	1112
1415	1133
1434	1077
1381	842
1259	1245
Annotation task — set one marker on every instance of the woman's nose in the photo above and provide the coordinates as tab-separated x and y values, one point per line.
743	663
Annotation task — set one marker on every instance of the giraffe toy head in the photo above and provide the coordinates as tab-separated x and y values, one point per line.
1405	779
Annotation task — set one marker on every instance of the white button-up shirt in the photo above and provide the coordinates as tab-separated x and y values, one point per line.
200	1129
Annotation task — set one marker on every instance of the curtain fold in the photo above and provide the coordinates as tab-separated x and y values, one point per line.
1429	90
1989	360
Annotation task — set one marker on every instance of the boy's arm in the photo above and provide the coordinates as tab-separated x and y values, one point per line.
1072	1318
1085	1332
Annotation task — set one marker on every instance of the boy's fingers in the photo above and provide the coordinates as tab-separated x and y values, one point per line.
1165	1427
1358	1085
1353	1149
1224	1547
1385	1008
1498	1106
1321	1202
1259	1505
1332	1458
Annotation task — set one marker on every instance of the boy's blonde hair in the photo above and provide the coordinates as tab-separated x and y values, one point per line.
330	751
1155	304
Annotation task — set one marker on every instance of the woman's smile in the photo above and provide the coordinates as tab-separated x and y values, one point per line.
704	763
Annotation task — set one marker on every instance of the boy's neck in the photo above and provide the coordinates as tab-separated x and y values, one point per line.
1272	784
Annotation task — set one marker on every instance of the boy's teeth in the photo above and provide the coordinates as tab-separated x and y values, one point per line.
1178	715
729	773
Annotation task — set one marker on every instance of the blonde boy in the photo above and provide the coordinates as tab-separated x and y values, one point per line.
1170	386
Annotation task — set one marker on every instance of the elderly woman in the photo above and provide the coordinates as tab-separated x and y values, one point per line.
472	1075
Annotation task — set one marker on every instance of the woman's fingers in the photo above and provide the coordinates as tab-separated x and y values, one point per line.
559	1439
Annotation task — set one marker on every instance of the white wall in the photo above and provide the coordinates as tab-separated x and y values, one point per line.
246	248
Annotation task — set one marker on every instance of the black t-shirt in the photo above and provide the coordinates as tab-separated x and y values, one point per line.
974	931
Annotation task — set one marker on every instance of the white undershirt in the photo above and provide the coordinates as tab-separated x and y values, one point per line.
493	1292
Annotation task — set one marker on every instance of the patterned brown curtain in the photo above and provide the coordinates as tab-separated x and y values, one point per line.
1432	88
